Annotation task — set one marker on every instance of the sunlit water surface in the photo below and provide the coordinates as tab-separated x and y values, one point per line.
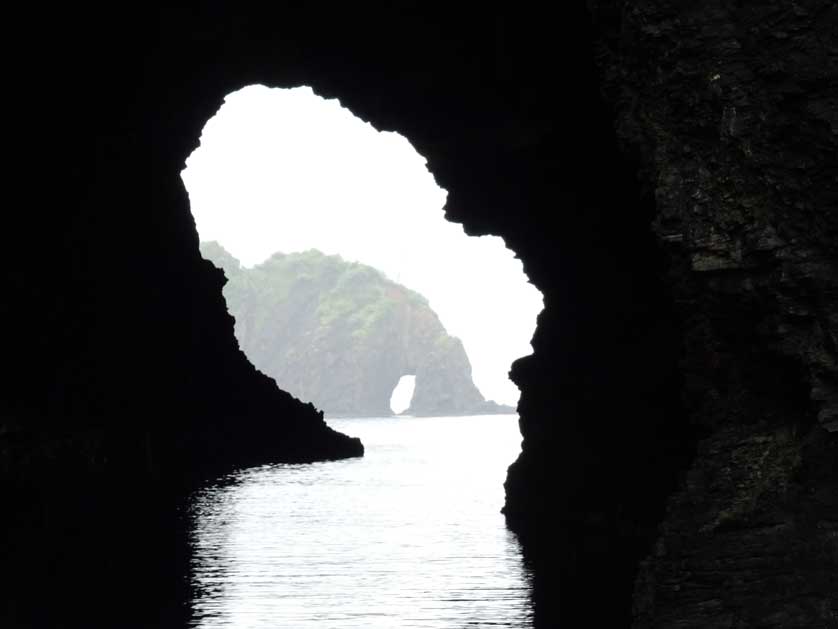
408	536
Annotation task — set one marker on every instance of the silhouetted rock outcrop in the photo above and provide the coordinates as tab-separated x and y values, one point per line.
731	112
341	335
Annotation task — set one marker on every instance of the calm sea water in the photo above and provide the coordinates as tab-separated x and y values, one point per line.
408	536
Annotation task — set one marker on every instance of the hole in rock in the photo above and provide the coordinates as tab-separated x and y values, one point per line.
343	274
402	394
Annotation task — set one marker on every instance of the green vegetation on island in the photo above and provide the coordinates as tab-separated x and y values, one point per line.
340	334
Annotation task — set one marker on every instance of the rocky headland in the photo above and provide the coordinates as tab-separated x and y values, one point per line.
340	334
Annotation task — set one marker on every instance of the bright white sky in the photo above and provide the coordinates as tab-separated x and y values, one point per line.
285	170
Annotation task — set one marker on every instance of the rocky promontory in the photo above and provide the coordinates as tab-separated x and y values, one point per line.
341	335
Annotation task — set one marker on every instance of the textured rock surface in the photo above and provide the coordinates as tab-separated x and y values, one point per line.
734	112
341	335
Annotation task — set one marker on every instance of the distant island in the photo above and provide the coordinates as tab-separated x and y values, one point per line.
341	335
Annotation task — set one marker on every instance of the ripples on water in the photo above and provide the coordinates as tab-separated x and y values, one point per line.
408	536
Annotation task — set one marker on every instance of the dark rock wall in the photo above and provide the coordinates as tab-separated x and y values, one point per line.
733	109
94	337
694	363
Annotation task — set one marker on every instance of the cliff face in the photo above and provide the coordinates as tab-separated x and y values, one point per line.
341	335
734	113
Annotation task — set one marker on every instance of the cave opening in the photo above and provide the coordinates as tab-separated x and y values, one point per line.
122	377
350	289
609	354
342	272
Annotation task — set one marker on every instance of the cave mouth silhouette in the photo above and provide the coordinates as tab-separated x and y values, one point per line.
284	171
581	123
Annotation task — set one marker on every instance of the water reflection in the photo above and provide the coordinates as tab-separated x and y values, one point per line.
408	536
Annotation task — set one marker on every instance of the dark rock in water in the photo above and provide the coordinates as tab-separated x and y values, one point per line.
341	335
